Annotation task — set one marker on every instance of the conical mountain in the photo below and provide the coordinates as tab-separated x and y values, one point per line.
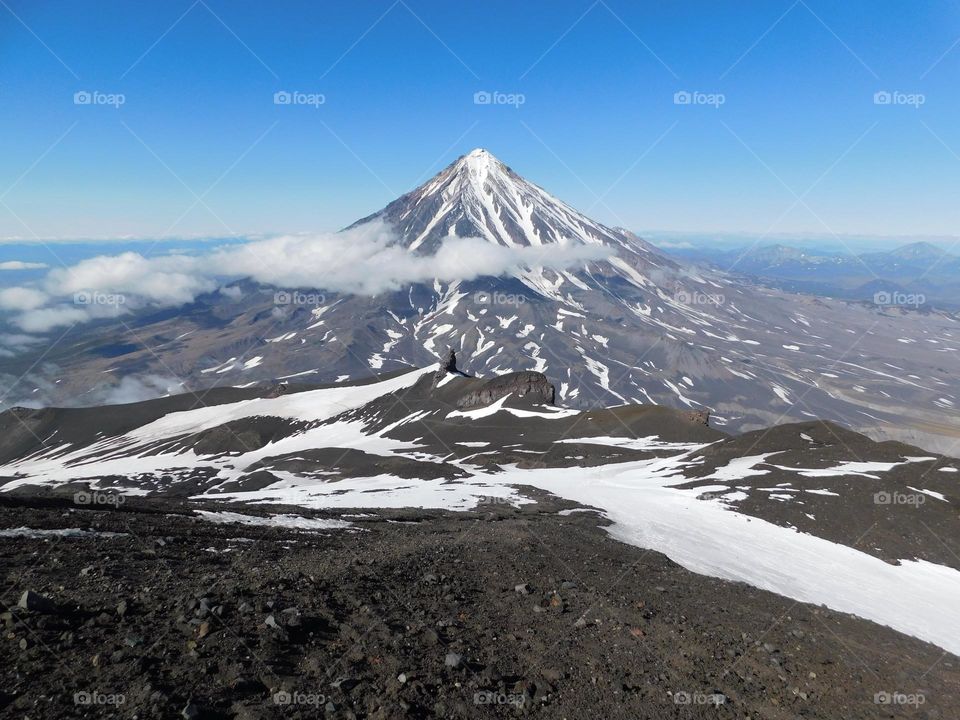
480	196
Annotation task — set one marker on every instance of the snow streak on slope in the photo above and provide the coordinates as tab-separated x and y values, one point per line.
129	455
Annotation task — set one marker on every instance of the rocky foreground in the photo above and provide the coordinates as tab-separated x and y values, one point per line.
499	612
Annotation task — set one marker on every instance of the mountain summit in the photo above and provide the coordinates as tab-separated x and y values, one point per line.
479	196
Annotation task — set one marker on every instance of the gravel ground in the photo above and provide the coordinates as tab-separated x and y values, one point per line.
502	612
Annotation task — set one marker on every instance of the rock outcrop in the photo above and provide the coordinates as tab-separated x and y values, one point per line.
449	364
701	417
526	384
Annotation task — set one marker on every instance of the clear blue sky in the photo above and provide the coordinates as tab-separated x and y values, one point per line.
798	80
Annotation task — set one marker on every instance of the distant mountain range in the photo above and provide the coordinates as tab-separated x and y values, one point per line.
917	269
633	325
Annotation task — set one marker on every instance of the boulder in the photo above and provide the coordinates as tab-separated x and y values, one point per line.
700	417
527	384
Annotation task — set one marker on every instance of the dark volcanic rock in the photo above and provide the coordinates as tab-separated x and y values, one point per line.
528	384
701	417
35	602
450	363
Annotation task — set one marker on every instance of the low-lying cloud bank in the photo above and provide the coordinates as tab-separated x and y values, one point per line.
363	261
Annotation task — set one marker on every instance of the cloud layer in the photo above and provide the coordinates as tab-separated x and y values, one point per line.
364	261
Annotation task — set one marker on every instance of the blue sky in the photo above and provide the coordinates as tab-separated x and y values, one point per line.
797	146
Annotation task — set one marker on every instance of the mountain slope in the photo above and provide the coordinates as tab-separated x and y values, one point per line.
437	438
633	327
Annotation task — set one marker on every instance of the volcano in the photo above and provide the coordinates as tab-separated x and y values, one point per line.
633	327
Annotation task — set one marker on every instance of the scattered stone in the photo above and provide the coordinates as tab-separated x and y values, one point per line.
552	675
190	712
522	589
35	602
453	660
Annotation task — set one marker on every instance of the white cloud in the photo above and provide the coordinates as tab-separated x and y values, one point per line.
21	298
20	265
38	321
135	388
165	280
12	344
366	260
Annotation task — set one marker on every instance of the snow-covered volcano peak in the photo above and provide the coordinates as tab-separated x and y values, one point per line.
475	170
480	156
479	196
